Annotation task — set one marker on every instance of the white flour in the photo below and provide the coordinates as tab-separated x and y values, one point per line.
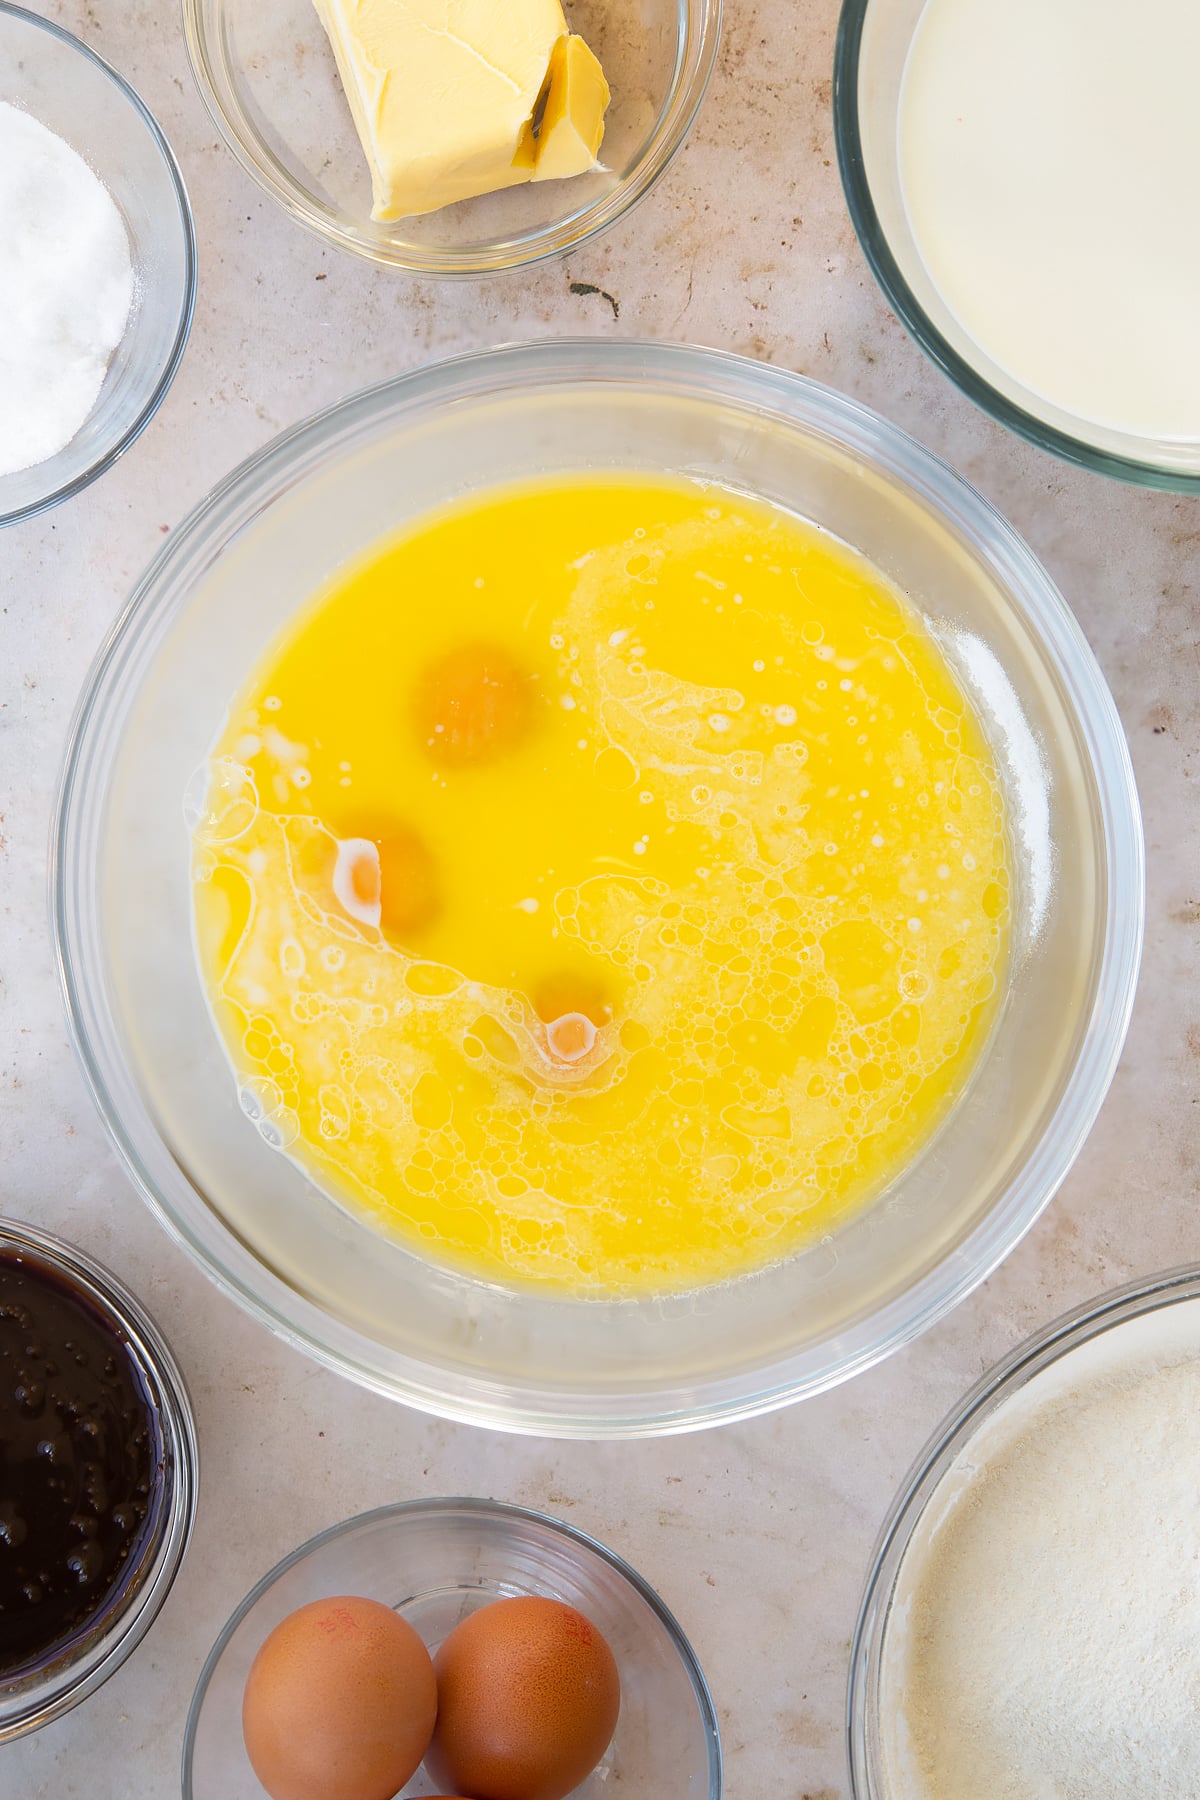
1047	1634
66	287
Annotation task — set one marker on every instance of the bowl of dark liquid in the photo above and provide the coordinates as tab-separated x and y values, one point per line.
98	1471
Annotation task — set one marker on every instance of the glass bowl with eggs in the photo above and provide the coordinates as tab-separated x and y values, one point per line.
454	141
102	279
598	887
555	1669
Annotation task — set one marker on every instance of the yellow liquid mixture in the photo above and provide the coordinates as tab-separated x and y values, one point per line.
603	885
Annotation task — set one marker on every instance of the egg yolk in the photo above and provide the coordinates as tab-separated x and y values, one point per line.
387	878
474	705
574	1007
562	993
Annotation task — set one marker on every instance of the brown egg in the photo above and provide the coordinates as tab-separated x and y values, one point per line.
528	1697
339	1703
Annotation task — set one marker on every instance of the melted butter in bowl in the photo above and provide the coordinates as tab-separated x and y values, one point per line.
604	885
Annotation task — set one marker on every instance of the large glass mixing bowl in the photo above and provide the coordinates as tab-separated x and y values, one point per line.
217	594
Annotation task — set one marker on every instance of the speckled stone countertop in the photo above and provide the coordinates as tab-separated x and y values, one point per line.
758	1536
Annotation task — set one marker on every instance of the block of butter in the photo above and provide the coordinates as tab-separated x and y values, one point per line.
454	98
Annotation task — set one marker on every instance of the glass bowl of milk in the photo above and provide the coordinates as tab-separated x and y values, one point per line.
1020	180
97	265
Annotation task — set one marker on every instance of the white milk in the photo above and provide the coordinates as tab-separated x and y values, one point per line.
1049	156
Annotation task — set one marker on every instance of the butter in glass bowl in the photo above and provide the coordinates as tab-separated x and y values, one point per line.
270	78
443	115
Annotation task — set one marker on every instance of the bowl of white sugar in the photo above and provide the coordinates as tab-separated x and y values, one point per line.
97	265
1032	1622
1021	178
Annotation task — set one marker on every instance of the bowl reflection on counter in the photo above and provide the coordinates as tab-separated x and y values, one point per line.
519	1359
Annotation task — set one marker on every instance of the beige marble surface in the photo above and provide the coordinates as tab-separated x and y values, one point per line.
757	1536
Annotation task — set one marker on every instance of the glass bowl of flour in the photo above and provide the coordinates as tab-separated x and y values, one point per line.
1031	1626
97	265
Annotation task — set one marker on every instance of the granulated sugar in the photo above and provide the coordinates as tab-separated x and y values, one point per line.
1045	1638
66	287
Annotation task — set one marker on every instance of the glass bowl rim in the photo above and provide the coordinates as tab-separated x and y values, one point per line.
105	459
691	372
912	315
1024	1362
499	1510
703	19
60	1690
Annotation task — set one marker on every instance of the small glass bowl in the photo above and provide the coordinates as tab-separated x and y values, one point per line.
435	1561
873	43
55	1686
1084	1324
74	92
267	76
